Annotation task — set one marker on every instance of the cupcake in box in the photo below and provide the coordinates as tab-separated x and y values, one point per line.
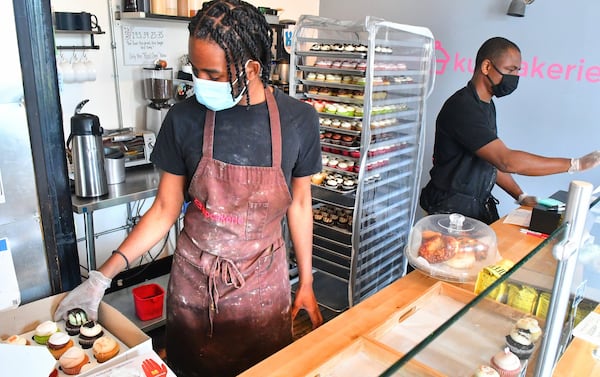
58	344
43	331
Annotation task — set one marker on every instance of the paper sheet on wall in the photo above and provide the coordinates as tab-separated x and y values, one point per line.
10	296
143	45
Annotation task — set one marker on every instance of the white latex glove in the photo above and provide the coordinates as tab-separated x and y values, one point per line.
589	161
86	296
527	200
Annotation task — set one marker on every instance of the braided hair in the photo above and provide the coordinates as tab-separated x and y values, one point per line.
241	31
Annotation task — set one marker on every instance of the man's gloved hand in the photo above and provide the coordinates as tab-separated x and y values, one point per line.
86	296
527	200
589	161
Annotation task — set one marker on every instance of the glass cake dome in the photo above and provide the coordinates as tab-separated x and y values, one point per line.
451	247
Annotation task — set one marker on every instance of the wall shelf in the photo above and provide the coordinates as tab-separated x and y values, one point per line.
149	16
91	46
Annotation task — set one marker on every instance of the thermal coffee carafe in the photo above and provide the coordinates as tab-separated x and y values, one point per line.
87	154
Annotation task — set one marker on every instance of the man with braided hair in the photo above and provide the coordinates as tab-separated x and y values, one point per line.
242	152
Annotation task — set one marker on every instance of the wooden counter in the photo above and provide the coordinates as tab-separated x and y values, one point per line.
578	353
315	348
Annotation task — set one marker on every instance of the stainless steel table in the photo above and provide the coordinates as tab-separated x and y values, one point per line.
141	182
122	300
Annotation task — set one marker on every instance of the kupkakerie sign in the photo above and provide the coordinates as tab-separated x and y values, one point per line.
537	68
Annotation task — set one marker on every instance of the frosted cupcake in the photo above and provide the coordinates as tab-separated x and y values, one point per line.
519	342
506	363
43	332
485	371
521	339
531	326
17	340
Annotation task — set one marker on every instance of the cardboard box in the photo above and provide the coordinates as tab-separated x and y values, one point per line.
148	364
25	319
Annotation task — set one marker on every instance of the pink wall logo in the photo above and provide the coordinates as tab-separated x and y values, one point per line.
537	68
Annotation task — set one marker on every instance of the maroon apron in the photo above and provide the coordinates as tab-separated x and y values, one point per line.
229	301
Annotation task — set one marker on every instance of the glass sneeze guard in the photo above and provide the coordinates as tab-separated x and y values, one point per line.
477	331
461	331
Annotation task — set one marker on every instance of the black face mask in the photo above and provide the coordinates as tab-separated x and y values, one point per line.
507	84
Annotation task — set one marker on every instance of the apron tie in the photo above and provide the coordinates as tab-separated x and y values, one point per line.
230	275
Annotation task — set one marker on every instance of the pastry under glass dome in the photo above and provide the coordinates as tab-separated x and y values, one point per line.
451	247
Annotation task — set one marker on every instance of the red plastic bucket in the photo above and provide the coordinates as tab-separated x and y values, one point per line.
149	301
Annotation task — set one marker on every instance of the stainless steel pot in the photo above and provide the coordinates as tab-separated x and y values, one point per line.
280	73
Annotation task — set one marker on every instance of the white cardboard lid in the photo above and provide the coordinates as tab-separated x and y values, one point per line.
17	360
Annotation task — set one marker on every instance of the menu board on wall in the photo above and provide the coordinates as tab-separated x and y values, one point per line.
143	45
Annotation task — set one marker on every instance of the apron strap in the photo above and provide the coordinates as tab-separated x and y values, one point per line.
275	128
209	127
230	275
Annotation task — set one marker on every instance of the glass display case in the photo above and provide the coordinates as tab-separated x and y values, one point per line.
368	81
521	321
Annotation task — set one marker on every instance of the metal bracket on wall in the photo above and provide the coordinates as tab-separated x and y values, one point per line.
91	46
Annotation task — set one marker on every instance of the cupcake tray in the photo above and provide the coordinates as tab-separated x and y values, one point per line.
92	363
340	130
334	189
333	230
332	147
339	116
333	54
331	84
334	98
339	71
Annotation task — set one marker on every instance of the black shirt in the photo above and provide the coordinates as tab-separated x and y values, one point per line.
464	124
242	137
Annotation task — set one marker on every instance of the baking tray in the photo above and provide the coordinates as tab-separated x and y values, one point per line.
367	359
361	358
333	84
339	71
340	130
333	54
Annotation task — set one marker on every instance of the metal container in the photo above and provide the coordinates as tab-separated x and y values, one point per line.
158	84
87	154
280	72
114	164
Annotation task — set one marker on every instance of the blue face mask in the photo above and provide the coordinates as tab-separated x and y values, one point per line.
215	95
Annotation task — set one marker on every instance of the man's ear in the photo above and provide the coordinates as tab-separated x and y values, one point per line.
485	67
253	69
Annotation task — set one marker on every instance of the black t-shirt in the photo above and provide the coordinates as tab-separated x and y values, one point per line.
464	124
242	137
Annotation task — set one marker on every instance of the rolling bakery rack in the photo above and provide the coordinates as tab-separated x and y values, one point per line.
368	81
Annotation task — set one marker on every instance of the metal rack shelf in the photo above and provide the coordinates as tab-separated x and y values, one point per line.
386	147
